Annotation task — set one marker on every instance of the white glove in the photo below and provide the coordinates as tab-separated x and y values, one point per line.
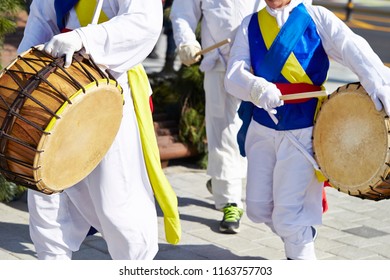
266	95
187	54
64	44
381	99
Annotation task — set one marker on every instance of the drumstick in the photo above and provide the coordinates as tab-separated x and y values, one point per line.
320	93
217	45
98	10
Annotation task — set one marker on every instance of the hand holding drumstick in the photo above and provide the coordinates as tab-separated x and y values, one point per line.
191	53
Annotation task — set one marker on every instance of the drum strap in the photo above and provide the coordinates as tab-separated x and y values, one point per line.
320	176
85	12
302	149
166	197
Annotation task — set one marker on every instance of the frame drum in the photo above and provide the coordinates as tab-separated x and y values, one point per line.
351	143
56	123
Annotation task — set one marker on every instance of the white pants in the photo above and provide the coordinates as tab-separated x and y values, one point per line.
226	166
282	189
116	199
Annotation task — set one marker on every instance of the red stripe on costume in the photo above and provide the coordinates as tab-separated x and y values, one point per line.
64	30
151	104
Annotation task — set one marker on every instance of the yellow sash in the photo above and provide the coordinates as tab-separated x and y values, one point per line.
163	191
139	85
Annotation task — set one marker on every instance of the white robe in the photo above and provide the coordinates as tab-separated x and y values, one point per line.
116	198
219	21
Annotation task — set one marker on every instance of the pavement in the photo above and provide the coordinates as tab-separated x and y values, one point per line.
353	229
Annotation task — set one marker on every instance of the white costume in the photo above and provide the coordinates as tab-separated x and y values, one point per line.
116	198
219	21
282	190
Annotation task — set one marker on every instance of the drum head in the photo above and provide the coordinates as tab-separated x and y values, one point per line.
350	141
80	138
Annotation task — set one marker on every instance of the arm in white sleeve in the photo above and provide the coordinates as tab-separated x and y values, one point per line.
350	49
185	16
126	39
41	25
239	80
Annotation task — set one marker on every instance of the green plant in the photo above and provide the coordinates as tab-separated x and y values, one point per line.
8	9
182	97
9	191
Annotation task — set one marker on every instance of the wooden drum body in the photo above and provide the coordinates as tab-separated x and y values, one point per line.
351	144
56	123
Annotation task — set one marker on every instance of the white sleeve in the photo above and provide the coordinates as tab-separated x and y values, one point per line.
239	81
185	16
41	25
350	49
126	39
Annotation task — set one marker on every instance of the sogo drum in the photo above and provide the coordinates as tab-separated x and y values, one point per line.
351	144
56	123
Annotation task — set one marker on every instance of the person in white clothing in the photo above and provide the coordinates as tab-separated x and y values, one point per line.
219	21
285	49
117	197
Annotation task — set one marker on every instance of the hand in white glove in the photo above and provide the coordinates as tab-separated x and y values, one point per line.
266	95
381	99
187	54
65	44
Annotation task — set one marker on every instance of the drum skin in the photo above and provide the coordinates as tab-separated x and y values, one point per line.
351	144
57	123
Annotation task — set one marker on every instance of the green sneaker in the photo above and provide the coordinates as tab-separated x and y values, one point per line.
231	218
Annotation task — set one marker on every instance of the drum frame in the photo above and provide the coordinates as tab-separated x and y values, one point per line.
39	76
377	187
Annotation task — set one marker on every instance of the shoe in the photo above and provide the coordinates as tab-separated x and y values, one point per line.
209	186
231	219
314	233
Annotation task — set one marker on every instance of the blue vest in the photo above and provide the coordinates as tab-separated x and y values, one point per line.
311	57
62	7
268	63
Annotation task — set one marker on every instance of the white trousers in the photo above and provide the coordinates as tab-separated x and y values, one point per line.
116	199
282	189
226	166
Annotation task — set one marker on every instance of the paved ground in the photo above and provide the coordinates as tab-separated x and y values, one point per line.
353	229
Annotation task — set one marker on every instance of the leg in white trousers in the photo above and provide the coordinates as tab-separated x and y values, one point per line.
282	190
116	199
226	166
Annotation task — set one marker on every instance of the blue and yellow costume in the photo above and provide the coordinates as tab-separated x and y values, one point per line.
282	189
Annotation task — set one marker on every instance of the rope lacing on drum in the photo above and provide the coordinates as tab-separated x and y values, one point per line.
36	78
19	179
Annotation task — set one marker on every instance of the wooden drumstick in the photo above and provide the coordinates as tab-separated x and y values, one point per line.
217	45
320	93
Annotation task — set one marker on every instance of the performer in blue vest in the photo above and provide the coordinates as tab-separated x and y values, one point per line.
285	49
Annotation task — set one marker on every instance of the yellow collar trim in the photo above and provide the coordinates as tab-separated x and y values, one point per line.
292	69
